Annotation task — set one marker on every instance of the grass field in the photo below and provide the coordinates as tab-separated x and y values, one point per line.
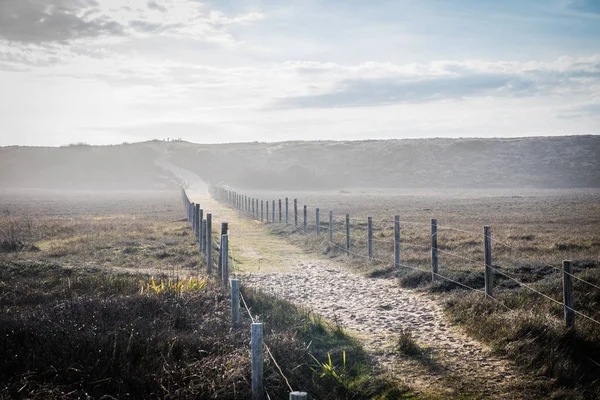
79	317
533	231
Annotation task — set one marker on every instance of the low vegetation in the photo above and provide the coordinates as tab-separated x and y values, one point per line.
530	239
113	304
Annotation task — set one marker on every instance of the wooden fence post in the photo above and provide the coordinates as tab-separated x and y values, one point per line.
318	222
253	215
397	243
257	361
287	221
370	236
487	257
331	226
262	209
568	293
203	234
209	244
224	231
235	303
296	213
197	220
273	219
200	231
305	218
267	211
280	213
225	259
434	249
347	234
193	219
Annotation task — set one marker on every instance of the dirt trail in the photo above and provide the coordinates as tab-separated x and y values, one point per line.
376	309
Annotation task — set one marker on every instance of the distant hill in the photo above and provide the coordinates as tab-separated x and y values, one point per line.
128	166
539	162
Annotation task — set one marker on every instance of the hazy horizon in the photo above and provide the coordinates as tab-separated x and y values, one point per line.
169	140
108	72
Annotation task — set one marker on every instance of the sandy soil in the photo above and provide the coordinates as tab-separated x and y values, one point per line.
377	310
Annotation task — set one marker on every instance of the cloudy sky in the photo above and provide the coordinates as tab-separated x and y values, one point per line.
113	71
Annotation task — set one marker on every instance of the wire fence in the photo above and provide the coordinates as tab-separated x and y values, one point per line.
303	220
226	253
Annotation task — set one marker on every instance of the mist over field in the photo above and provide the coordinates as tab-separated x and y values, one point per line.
354	200
537	162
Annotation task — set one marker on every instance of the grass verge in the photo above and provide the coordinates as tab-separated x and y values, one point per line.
73	333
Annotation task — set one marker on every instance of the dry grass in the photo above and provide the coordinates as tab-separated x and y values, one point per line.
532	232
78	318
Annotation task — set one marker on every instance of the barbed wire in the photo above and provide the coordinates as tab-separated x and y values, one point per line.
544	295
546	264
445	227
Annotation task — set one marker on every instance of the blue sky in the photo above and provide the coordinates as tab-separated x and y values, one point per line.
111	71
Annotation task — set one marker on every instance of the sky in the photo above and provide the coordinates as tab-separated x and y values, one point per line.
114	71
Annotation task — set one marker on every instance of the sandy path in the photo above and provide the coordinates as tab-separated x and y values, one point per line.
376	309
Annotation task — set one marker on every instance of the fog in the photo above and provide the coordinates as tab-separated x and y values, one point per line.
551	162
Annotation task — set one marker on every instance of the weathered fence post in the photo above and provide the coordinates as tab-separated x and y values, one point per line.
209	245
434	249
273	219
235	303
296	213
203	234
257	361
253	215
197	220
568	293
224	231
370	236
191	219
225	259
267	211
487	257
347	234
286	211
305	220
280	211
318	222
396	243
201	231
262	209
331	226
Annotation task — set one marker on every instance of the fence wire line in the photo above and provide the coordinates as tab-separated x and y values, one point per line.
544	295
545	263
450	228
287	382
408	266
457	255
382	261
342	230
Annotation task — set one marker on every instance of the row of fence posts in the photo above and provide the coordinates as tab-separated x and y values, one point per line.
249	205
202	229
